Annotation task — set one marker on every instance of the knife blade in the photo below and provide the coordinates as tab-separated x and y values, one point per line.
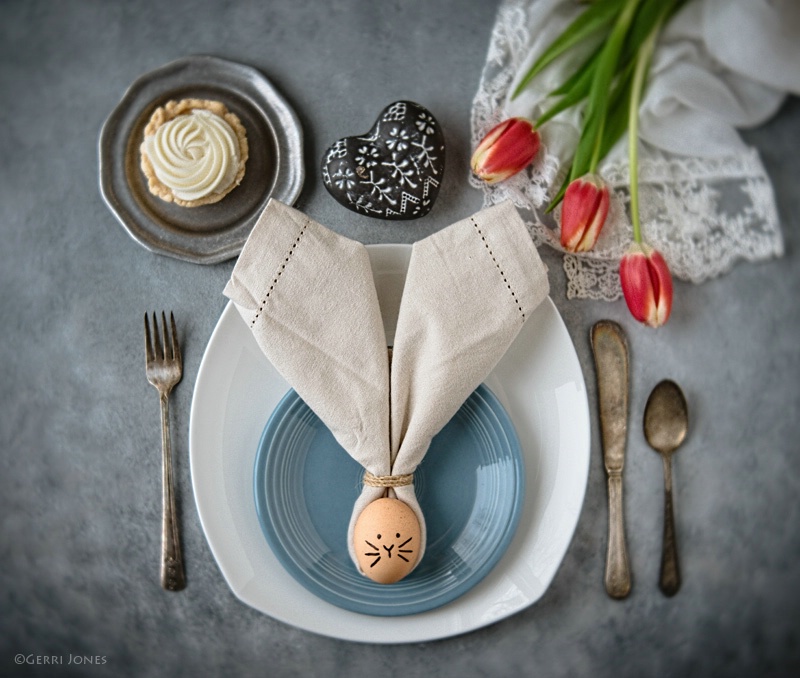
610	350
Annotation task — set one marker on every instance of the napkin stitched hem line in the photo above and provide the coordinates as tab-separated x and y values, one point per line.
497	264
280	272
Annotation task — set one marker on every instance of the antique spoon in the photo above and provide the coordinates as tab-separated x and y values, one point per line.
666	420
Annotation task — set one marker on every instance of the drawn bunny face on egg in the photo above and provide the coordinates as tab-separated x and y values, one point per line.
386	539
378	551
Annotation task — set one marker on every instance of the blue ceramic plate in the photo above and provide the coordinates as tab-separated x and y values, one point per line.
470	487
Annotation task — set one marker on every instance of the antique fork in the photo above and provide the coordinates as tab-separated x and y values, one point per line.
164	369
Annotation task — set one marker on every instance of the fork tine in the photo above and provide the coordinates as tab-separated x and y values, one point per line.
148	345
176	347
156	338
167	340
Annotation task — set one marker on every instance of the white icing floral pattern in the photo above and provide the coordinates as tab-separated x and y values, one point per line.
395	170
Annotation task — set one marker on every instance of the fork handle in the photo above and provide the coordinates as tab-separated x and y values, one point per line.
172	575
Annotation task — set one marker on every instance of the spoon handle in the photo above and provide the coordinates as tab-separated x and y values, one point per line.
670	580
618	571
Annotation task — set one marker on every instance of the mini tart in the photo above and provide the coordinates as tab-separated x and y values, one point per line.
172	110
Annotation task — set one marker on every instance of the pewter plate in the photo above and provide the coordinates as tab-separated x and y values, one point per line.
210	233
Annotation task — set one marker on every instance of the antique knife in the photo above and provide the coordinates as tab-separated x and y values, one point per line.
611	363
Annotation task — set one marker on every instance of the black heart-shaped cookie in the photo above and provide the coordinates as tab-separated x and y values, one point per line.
394	171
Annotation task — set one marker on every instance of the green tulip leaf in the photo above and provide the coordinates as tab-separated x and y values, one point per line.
570	99
610	80
594	20
582	75
617	119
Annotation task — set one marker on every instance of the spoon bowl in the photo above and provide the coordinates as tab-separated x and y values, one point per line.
666	417
666	422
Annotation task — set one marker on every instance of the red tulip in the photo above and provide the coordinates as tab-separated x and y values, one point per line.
646	284
507	149
584	213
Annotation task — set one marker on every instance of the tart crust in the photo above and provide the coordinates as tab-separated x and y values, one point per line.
172	110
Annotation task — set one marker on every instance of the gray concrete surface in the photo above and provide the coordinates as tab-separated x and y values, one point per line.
79	471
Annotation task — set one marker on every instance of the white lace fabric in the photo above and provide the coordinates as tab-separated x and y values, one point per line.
705	199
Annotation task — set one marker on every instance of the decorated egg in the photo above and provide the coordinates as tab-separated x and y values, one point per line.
386	540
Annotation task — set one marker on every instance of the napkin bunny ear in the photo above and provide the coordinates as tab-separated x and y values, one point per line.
309	297
469	289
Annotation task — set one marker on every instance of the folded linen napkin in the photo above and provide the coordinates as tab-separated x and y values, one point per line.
309	297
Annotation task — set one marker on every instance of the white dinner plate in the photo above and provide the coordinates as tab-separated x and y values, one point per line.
538	381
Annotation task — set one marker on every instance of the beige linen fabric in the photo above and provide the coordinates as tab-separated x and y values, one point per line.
309	297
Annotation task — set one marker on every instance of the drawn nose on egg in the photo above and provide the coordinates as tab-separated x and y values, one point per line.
386	538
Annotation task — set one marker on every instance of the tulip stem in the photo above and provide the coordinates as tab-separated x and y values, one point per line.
598	144
639	75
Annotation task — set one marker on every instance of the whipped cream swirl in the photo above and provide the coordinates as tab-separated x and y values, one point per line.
194	155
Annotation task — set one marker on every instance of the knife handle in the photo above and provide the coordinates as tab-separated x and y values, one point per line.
618	571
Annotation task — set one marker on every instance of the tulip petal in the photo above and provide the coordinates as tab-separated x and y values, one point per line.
646	284
659	272
636	284
584	213
506	149
596	224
